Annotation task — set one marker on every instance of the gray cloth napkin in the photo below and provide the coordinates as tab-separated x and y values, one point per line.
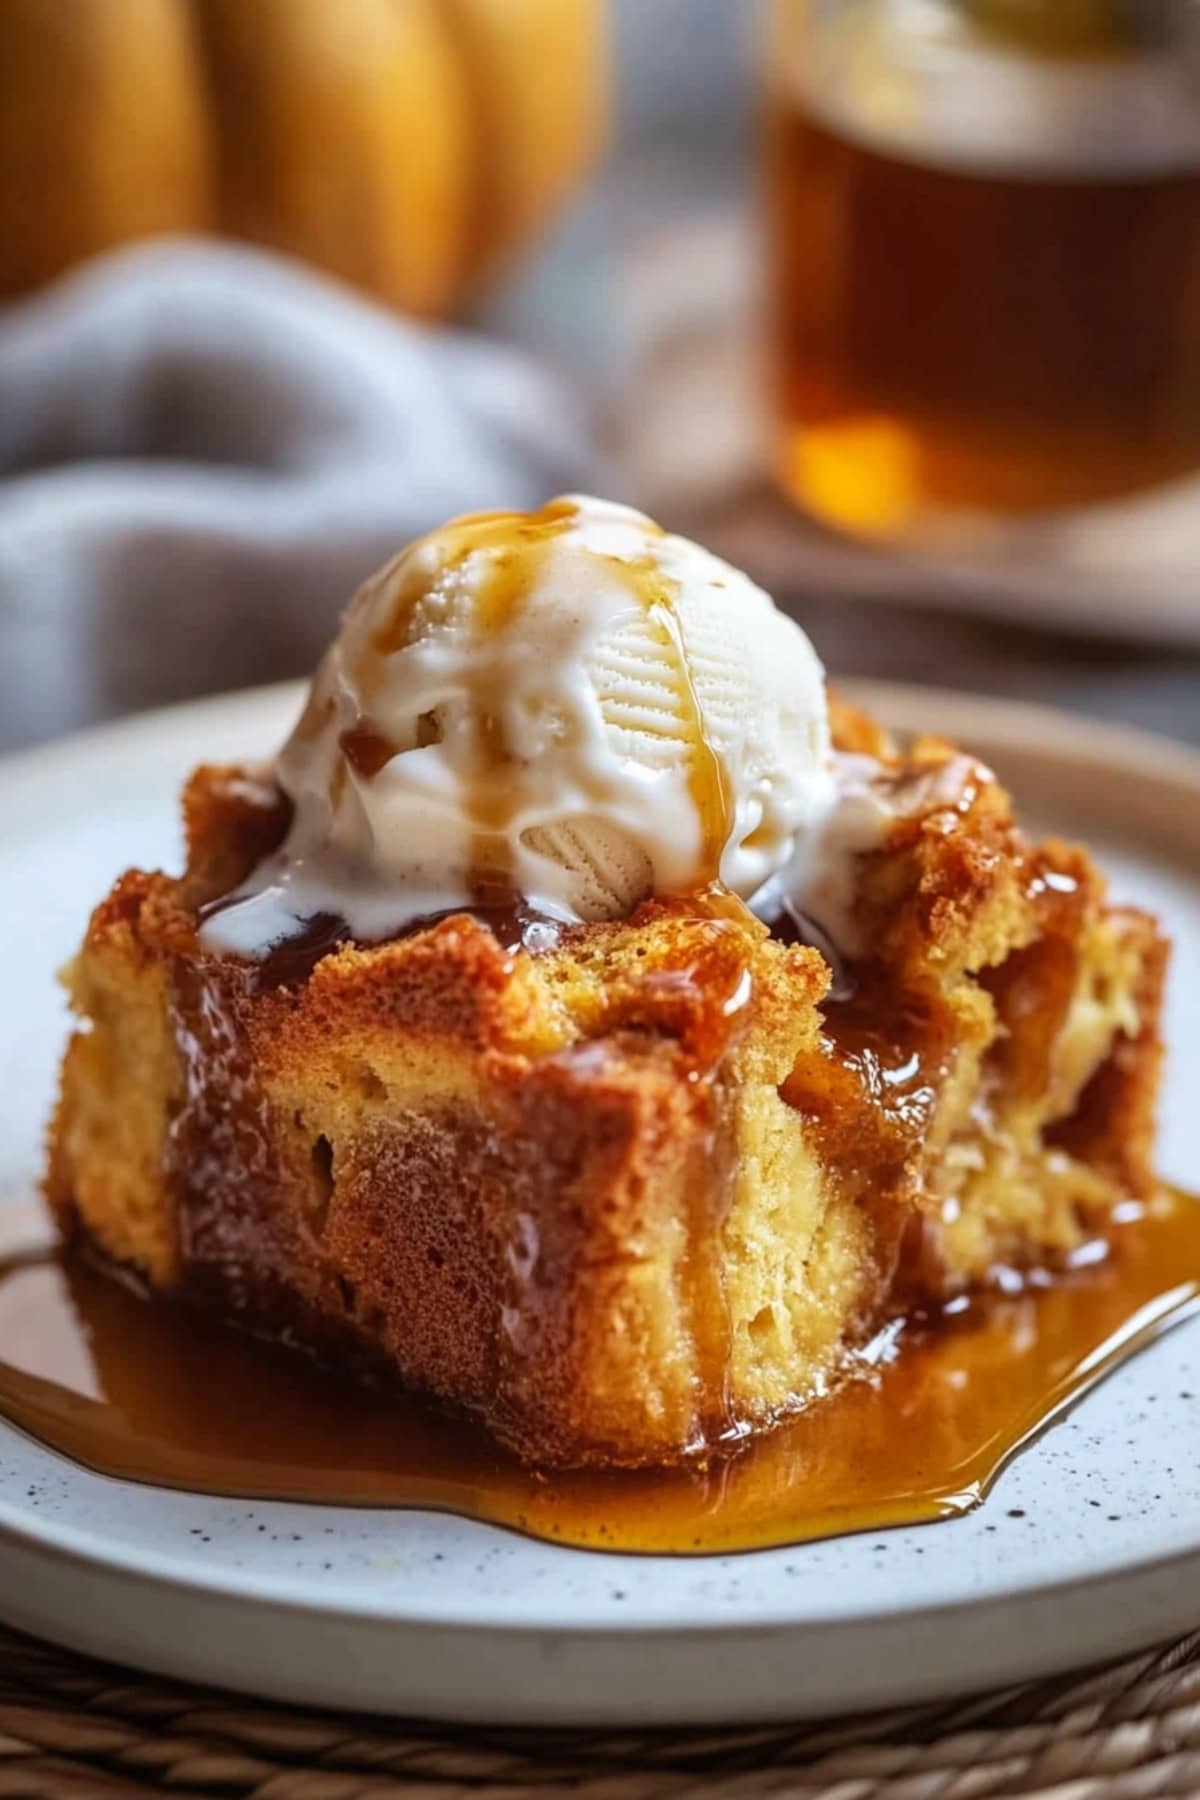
203	449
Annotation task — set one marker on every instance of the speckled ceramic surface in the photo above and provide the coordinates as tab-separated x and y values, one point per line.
1088	1546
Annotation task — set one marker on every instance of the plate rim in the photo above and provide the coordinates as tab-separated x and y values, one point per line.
69	1544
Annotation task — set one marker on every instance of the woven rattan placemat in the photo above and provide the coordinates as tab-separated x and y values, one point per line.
72	1728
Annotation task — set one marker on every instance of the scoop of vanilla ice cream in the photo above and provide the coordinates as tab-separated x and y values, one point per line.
572	706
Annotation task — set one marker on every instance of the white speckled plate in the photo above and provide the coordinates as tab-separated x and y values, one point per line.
1089	1545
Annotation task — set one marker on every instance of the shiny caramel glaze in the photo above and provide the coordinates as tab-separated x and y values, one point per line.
707	778
365	750
514	924
150	1392
517	545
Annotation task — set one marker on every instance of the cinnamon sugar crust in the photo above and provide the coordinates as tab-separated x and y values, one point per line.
649	1188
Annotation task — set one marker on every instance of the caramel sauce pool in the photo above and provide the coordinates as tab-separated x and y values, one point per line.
151	1393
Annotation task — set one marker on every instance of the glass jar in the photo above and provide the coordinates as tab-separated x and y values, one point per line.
983	254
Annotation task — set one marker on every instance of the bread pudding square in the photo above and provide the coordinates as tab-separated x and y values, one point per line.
645	1189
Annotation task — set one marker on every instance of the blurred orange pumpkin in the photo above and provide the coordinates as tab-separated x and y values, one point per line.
406	145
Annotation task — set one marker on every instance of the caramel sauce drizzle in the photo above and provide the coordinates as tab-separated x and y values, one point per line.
708	781
365	750
147	1391
520	543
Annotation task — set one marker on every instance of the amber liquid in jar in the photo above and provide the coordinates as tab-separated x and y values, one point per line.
984	257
